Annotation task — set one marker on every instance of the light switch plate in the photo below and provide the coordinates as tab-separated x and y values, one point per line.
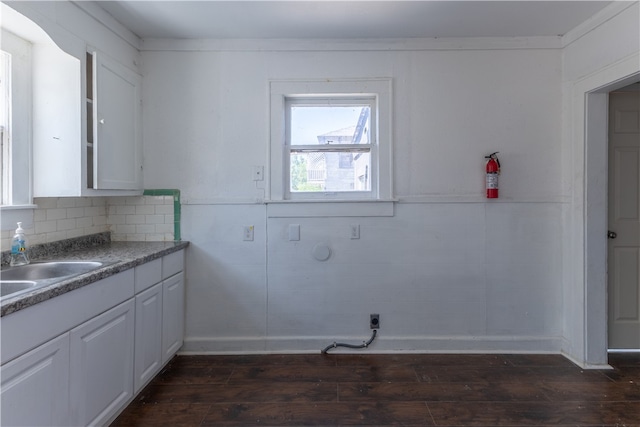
294	232
247	233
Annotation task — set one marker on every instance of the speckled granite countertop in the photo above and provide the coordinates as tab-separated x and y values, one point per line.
117	256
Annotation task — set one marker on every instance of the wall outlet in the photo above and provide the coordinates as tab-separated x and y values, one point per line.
247	233
374	321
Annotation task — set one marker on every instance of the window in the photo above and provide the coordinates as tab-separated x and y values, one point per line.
15	120
5	119
328	145
330	140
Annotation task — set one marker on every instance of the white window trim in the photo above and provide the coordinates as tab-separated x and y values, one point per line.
5	87
280	90
20	191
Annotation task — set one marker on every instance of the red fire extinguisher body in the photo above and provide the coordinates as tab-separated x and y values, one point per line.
492	173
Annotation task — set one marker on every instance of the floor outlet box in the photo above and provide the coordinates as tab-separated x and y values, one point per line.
374	321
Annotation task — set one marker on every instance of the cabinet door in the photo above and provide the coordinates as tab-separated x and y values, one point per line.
148	338
117	139
173	316
102	365
35	386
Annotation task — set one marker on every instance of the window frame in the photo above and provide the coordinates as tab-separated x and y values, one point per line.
371	147
376	89
5	127
17	182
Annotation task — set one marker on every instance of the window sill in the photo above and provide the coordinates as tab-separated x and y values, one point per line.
11	214
326	209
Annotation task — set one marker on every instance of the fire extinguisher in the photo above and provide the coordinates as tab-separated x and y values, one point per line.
493	170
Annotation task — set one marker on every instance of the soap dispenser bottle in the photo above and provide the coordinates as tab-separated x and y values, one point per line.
19	248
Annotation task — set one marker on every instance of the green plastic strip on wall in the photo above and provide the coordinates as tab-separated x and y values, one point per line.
176	207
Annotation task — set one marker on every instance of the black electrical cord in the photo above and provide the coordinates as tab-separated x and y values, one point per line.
339	344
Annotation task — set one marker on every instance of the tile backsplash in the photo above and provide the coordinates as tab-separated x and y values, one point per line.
141	218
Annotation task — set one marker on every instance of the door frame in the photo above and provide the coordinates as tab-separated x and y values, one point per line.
594	91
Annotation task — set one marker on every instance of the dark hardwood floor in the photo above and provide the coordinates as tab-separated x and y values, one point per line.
385	390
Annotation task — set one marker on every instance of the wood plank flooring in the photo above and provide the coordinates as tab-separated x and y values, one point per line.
386	390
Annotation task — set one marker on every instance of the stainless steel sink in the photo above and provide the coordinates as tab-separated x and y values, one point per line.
8	287
48	270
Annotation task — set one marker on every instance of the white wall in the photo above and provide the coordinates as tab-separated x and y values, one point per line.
448	271
208	111
426	271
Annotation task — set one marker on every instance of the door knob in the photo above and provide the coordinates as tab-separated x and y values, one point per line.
612	234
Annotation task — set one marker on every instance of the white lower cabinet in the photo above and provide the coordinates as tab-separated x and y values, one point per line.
173	316
148	345
80	358
159	327
35	386
102	365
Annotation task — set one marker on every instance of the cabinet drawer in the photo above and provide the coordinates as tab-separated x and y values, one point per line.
148	274
172	264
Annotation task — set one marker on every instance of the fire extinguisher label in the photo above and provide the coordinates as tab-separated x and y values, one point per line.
492	181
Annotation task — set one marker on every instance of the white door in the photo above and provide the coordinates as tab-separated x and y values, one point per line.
624	220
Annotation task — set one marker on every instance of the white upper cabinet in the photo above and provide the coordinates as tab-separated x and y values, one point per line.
86	142
117	148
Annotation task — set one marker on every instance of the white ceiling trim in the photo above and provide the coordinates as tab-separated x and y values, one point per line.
413	44
108	21
596	20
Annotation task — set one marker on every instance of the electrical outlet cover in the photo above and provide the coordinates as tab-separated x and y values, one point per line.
374	321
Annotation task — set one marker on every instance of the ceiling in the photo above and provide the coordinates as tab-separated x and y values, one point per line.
349	19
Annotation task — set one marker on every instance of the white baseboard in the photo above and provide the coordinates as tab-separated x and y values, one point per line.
421	344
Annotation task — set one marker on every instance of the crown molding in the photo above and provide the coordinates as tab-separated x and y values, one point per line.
104	18
292	45
606	14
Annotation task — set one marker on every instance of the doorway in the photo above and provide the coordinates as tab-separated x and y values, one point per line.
623	252
587	297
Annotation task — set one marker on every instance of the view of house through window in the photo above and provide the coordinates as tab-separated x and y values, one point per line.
329	143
